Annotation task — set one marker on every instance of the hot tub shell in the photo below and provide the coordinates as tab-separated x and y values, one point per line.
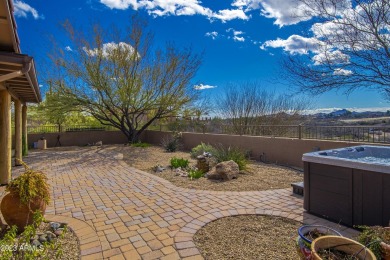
346	185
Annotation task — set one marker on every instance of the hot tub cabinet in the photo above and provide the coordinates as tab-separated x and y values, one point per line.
349	185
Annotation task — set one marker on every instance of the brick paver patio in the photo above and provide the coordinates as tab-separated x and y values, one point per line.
119	212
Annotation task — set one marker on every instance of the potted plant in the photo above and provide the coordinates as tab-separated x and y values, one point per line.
28	193
307	234
377	239
335	247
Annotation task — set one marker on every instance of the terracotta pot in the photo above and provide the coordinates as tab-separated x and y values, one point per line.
15	213
343	244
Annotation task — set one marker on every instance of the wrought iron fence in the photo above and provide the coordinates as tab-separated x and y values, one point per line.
371	134
74	128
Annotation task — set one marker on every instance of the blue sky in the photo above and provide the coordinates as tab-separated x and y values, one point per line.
239	37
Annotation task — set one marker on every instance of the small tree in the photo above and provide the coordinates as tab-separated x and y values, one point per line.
125	83
248	104
352	47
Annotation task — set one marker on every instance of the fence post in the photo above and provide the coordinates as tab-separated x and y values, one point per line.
160	127
204	128
299	131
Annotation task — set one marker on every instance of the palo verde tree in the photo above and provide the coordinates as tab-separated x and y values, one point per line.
348	48
125	82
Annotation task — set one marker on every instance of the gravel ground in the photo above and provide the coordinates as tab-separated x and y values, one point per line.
258	176
248	237
69	245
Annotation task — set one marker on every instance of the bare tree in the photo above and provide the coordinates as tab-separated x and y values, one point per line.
352	47
248	105
125	83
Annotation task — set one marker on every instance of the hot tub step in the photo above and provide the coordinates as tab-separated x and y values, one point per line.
298	188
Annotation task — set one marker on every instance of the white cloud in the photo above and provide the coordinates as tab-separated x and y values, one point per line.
201	87
342	72
285	12
22	10
237	35
330	57
227	15
109	48
239	39
213	35
295	44
176	7
68	48
120	4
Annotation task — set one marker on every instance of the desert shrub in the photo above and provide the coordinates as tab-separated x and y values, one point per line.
142	145
371	236
14	246
172	143
202	148
179	162
231	153
30	185
195	174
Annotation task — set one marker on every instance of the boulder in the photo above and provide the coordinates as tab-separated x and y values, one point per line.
224	171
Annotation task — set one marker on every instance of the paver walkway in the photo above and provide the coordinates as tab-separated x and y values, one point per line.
137	215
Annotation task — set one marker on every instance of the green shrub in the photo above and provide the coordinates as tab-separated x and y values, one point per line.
231	153
195	174
142	145
202	148
176	163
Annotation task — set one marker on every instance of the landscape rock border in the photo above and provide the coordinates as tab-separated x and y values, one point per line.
87	236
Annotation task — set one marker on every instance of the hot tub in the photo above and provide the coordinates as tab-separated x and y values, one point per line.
349	185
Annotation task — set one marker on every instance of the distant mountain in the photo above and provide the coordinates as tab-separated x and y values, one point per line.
345	113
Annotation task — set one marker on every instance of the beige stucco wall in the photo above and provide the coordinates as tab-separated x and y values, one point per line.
284	151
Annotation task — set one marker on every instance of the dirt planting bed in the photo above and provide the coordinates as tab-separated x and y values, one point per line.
257	176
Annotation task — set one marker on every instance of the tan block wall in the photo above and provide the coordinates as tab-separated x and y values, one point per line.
285	151
80	138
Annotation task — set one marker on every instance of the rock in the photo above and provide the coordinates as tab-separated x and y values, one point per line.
159	168
212	175
42	238
54	225
59	232
224	171
181	173
98	143
36	243
207	154
50	234
36	237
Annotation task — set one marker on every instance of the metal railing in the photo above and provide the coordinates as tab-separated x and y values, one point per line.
74	128
371	134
